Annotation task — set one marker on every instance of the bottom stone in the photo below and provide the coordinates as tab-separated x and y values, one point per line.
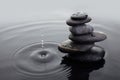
70	47
96	53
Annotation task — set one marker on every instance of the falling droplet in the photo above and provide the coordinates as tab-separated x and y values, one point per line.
42	42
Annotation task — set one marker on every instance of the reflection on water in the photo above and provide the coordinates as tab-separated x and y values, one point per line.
29	52
82	70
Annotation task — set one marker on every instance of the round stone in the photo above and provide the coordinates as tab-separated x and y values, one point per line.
89	38
71	22
70	47
81	29
96	53
79	16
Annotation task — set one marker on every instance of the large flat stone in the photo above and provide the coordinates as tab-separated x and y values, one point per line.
95	37
96	53
70	47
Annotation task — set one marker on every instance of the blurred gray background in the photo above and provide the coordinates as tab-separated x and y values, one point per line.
14	12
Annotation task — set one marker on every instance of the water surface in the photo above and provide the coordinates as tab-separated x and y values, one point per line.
29	51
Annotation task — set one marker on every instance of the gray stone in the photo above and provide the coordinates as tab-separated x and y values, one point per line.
79	16
71	22
96	53
94	37
81	29
70	47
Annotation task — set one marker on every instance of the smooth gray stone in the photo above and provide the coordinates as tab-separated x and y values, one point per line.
70	47
71	22
81	29
94	37
79	16
96	53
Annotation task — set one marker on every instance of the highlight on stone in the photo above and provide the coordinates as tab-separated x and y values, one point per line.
82	39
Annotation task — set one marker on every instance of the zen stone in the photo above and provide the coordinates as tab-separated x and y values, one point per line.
70	47
71	22
79	16
95	37
82	29
81	45
96	53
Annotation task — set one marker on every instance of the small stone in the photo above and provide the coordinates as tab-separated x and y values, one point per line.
96	53
70	47
71	22
94	37
81	29
99	51
79	16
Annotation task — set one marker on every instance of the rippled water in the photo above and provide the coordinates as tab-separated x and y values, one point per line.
29	52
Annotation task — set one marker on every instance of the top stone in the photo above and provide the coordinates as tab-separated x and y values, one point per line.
79	16
78	19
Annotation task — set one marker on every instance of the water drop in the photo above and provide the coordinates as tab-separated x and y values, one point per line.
42	43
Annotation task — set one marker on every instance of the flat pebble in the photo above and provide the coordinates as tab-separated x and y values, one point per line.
71	22
96	53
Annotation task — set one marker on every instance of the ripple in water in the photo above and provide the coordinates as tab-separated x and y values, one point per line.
29	51
36	59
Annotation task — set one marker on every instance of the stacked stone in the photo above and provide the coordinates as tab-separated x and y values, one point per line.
83	37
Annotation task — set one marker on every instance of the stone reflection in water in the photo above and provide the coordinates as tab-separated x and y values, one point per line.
82	70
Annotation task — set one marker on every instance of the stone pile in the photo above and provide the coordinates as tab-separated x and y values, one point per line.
83	37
